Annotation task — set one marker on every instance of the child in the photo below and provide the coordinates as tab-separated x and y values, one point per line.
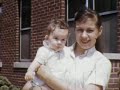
50	54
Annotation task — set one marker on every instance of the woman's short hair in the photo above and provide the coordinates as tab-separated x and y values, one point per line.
84	13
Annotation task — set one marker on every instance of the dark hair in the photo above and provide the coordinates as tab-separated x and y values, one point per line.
59	23
84	13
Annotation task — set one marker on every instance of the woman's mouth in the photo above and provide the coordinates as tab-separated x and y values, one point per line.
85	42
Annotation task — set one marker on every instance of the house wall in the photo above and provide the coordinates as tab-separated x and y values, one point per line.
42	11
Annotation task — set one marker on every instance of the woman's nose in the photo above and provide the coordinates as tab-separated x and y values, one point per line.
84	34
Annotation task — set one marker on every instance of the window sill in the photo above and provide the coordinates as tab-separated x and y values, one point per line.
0	64
112	56
21	64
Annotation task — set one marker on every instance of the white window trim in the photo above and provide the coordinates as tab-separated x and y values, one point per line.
108	12
22	29
102	14
21	64
110	56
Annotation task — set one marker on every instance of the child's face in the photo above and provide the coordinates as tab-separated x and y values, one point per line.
58	39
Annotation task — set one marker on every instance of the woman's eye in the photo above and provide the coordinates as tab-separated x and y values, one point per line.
90	31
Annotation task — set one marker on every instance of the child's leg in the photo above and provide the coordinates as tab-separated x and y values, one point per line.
27	86
37	88
44	87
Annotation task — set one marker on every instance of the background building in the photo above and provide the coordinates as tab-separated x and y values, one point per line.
23	26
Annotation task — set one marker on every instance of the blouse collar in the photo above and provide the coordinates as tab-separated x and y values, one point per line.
87	52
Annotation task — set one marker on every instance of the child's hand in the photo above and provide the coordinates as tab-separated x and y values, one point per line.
29	76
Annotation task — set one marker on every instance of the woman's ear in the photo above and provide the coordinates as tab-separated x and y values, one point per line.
100	30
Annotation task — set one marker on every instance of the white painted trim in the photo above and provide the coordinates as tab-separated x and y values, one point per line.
108	12
102	14
0	64
112	56
86	3
23	29
93	4
21	64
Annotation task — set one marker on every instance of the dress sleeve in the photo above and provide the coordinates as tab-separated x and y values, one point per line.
41	55
101	73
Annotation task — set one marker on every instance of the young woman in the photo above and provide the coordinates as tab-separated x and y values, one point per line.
90	70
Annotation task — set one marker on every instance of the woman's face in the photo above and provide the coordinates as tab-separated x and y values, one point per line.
87	33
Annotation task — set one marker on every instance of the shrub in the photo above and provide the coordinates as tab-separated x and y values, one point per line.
5	84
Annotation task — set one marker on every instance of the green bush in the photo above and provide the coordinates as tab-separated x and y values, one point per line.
5	84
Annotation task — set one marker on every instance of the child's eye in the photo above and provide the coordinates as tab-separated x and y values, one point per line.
56	38
79	30
63	39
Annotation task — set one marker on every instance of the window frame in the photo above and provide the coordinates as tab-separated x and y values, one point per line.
22	29
22	63
102	13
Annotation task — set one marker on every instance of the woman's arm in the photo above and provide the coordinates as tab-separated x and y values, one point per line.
51	80
93	87
57	84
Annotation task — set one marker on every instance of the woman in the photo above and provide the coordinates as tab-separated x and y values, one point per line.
90	70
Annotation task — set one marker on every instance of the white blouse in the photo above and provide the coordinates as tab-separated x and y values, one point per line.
90	68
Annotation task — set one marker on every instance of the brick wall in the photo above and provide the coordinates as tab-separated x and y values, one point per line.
42	12
114	83
10	42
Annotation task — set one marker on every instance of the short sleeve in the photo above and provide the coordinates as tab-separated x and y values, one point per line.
101	74
41	55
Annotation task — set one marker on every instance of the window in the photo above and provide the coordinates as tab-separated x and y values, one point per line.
105	5
0	7
25	29
74	6
107	9
98	5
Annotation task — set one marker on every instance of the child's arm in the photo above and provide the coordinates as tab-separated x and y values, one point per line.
40	58
31	70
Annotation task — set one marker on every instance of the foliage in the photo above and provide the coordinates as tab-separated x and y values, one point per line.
5	84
